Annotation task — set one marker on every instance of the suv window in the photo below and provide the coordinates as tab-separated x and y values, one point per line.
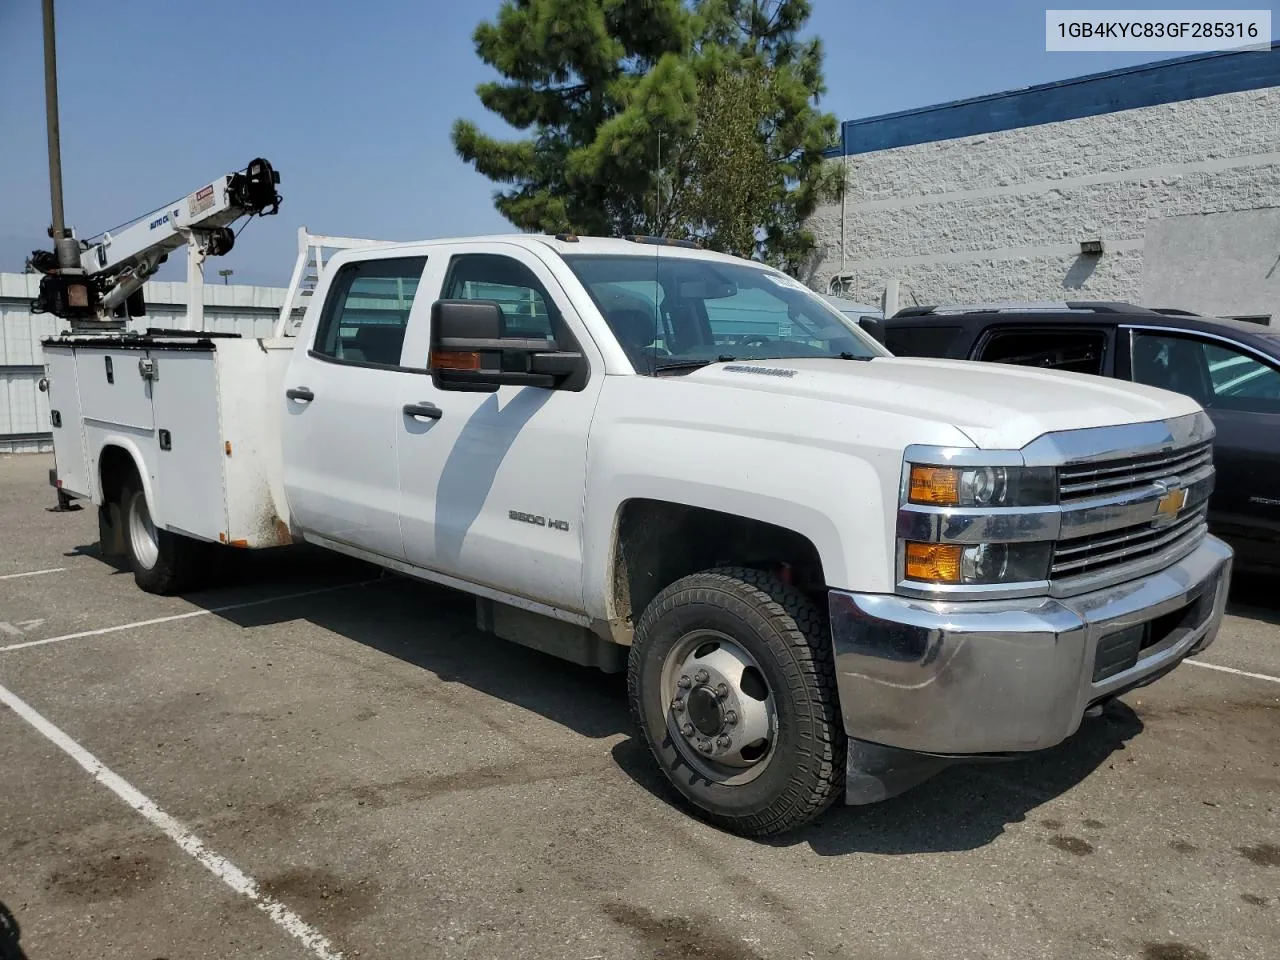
367	311
912	341
525	305
1218	376
1078	351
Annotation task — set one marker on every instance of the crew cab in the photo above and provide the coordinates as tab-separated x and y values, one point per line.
824	569
1230	367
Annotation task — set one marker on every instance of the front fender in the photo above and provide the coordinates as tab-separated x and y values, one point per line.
819	469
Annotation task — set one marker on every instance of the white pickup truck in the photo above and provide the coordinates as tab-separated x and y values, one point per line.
825	570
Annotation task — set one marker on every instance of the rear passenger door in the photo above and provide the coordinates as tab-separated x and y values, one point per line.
341	415
1074	349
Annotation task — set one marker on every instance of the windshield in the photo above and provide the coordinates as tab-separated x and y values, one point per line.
678	313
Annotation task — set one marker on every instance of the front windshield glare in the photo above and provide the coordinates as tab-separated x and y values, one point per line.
676	313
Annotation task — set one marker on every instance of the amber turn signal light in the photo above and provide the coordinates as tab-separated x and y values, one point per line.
442	360
939	486
934	562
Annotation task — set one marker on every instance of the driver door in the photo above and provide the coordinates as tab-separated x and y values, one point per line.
492	485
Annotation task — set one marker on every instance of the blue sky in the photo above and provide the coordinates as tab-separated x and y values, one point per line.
353	102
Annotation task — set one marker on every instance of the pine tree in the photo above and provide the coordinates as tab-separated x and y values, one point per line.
657	116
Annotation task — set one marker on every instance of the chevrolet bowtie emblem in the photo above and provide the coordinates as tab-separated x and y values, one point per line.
1169	505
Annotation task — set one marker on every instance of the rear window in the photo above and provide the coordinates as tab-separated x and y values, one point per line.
1076	351
367	311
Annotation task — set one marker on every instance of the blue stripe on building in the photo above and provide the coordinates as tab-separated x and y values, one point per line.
1166	81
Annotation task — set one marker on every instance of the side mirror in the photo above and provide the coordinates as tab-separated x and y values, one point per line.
471	353
874	326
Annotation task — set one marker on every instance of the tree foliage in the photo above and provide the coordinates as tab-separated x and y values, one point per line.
694	118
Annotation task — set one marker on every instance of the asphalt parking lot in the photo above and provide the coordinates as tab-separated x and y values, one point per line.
314	760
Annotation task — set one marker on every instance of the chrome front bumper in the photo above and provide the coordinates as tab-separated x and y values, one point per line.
993	677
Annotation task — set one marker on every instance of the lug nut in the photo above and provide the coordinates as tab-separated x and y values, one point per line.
723	741
704	746
677	705
731	717
684	683
687	729
722	690
702	676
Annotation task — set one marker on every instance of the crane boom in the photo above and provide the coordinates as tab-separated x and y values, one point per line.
114	265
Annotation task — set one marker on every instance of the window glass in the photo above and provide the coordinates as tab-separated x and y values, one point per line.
1240	380
526	308
1077	351
1217	375
913	341
367	311
673	312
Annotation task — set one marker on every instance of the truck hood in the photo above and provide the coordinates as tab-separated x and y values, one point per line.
998	406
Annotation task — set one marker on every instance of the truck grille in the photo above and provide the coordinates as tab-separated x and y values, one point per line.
1102	551
1128	473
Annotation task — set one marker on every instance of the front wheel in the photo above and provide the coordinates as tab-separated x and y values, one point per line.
731	680
162	562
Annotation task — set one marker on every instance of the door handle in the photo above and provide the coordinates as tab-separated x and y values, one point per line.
300	394
420	410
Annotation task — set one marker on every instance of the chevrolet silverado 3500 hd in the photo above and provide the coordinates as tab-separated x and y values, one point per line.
823	568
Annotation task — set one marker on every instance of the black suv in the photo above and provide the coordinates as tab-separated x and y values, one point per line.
1230	367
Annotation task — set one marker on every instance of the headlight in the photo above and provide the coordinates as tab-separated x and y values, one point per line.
954	563
982	486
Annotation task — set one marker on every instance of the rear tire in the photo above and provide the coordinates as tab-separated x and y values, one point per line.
731	680
162	562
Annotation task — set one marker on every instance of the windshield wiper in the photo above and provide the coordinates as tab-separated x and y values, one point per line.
846	355
691	364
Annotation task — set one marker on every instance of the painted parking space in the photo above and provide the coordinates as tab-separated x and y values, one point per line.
407	786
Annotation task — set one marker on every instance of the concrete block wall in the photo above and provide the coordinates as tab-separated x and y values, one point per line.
999	214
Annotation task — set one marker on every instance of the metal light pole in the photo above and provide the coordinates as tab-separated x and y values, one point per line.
224	274
64	244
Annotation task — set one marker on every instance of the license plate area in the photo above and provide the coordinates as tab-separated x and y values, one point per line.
1121	650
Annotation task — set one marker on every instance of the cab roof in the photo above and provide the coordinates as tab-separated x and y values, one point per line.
570	244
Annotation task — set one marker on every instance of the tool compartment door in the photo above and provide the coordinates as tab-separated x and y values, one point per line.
112	389
115	404
189	487
70	456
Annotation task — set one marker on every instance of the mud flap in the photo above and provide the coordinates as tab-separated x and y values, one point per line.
111	530
874	772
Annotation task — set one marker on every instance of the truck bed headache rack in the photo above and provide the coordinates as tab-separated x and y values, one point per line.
307	271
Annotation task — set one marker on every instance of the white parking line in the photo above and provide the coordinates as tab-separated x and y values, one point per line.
1232	670
33	573
193	846
181	616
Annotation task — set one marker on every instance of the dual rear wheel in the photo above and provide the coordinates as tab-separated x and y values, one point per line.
162	562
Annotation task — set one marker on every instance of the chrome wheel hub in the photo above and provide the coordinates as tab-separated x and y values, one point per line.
142	532
720	711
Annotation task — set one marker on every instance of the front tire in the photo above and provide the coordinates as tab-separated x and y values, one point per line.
732	682
162	562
